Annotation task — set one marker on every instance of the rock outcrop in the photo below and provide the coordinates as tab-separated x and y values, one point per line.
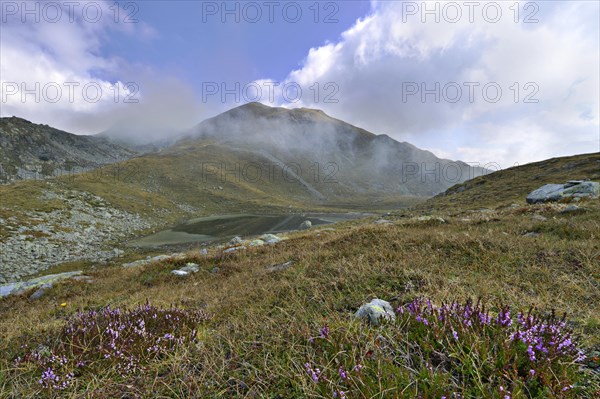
557	192
44	283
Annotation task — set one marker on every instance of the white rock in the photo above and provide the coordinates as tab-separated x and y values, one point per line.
375	311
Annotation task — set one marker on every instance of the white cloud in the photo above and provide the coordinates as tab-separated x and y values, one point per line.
73	86
554	61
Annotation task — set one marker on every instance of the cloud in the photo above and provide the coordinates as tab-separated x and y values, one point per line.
55	71
508	91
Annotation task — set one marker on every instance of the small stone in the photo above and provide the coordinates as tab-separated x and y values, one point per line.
215	270
190	268
203	252
307	224
280	267
539	218
376	310
236	240
234	249
531	234
180	273
571	209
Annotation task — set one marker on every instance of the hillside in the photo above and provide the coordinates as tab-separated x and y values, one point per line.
507	186
32	151
278	320
332	159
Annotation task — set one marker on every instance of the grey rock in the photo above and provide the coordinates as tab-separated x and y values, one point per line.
234	249
375	311
571	189
190	268
571	209
270	239
539	218
215	270
17	288
236	240
149	260
40	292
531	234
118	252
307	224
203	252
85	279
179	273
280	267
136	263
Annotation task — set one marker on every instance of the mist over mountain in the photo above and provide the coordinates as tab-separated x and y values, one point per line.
33	151
323	157
347	159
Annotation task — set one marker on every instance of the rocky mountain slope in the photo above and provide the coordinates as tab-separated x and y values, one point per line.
32	151
328	157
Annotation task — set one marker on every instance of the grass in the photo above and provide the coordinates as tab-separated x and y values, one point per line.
511	185
258	340
265	327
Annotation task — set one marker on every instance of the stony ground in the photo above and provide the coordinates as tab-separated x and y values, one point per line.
86	228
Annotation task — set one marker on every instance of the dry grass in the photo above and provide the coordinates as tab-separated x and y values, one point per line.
256	343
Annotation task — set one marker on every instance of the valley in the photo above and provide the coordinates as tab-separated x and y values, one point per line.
190	226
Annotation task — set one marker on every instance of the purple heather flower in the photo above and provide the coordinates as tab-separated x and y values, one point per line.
343	374
531	353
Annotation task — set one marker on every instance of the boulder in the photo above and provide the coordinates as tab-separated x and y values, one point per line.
17	288
270	239
236	240
557	192
376	310
307	224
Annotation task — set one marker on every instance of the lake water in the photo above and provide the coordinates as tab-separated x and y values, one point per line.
224	227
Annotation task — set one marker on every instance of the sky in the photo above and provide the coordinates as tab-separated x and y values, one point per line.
490	83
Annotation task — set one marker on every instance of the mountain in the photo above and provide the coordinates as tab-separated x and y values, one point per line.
329	157
256	158
32	151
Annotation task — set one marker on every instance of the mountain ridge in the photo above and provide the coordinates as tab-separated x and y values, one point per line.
33	151
316	157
